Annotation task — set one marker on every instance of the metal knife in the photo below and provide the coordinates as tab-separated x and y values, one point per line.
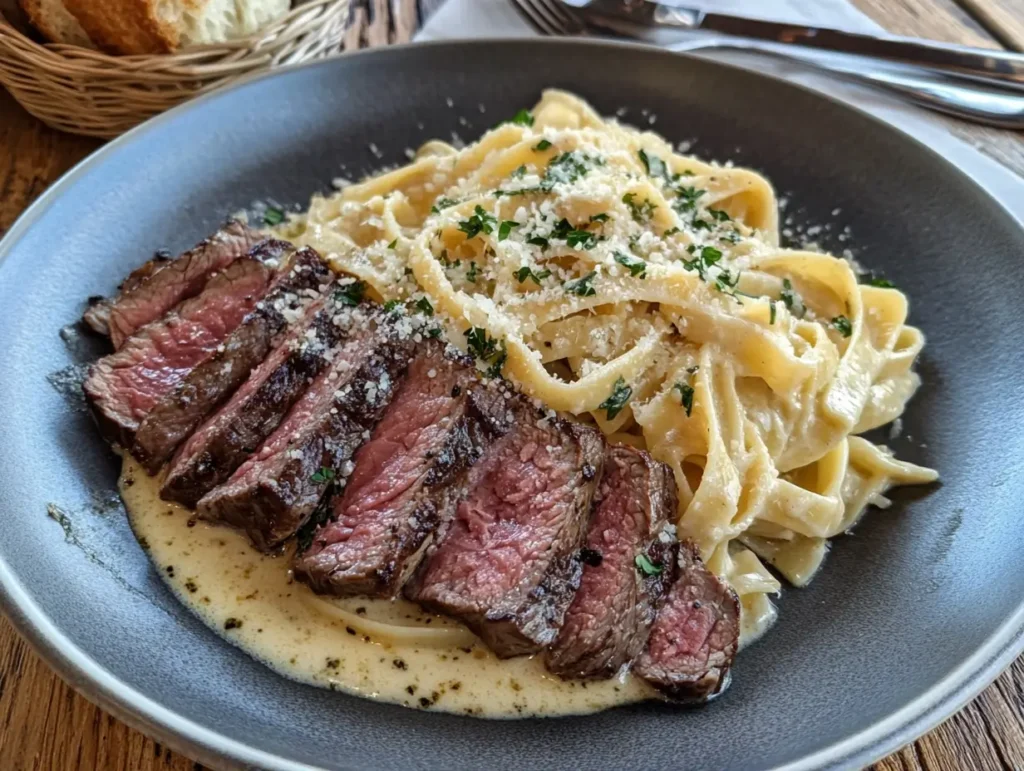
984	63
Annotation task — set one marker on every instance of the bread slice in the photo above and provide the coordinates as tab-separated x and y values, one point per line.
165	26
55	22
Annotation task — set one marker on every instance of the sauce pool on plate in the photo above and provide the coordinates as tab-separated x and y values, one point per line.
380	649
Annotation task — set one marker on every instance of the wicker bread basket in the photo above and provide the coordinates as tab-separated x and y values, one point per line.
82	91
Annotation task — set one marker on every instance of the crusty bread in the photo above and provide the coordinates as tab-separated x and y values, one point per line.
164	26
55	22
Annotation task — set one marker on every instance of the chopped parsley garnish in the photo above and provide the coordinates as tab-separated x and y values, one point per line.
538	241
526	272
322	475
732	237
699	224
480	222
634	265
726	283
519	173
582	238
710	255
881	281
351	294
542	145
792	299
645	566
521	118
685	396
687	199
393	244
487	350
719	215
602	217
641	211
707	257
567	167
564	168
654	166
771	311
423	306
506	228
617	400
671	232
843	325
581	286
473	272
273	216
442	203
434	332
392	305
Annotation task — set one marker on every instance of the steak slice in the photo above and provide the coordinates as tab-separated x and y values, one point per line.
695	636
272	494
509	563
124	387
97	315
236	430
178	412
160	289
406	482
628	562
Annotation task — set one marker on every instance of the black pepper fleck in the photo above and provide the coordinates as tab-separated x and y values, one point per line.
233	623
399	664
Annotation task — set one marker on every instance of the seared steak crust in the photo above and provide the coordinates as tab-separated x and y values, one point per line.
407	479
695	636
610	617
97	315
154	292
178	413
273	493
124	387
509	563
233	433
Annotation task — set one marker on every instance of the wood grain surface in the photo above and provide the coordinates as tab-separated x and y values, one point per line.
46	726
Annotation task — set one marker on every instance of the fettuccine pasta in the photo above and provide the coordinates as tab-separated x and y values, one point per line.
644	290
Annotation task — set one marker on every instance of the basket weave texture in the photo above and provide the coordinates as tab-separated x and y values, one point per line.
82	91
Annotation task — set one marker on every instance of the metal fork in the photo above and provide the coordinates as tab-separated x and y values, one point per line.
942	92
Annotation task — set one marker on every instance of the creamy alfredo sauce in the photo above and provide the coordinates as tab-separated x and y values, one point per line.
392	651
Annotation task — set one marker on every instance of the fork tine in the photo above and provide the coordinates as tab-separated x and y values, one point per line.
545	17
537	20
570	22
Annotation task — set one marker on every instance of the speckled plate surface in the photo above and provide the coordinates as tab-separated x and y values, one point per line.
913	614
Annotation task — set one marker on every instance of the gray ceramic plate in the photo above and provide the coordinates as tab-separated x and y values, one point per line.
913	614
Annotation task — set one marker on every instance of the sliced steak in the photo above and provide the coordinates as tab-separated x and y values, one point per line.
695	636
272	494
297	283
97	315
406	481
232	434
124	387
628	562
159	288
509	563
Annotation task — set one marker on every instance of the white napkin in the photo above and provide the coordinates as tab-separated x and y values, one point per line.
498	18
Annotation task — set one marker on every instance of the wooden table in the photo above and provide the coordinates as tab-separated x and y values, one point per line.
45	725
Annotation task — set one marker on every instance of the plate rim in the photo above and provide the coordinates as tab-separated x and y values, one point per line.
99	685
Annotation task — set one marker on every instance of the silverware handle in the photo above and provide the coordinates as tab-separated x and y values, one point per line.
1000	108
1002	65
